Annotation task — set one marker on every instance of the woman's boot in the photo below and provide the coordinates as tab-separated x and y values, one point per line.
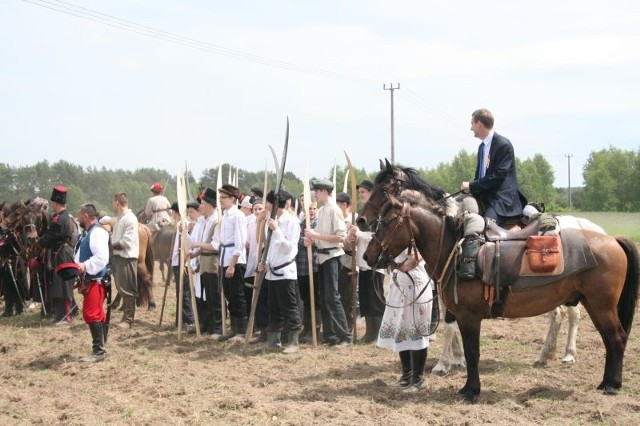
405	361
418	360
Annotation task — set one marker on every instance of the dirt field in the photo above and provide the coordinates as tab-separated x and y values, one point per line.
151	377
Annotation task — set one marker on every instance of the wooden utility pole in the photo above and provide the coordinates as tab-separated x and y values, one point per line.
569	175
393	148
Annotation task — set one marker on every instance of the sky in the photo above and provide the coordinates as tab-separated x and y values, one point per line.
125	84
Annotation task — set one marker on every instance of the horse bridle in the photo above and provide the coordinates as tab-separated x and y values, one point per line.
405	213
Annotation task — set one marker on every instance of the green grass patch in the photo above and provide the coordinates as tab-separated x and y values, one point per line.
616	223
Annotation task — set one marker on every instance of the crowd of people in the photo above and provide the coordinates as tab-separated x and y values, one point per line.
238	244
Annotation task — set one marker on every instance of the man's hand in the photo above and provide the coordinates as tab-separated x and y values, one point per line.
117	246
464	186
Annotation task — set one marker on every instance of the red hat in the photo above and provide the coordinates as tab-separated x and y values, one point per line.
156	188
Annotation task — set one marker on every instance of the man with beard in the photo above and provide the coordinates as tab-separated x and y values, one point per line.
92	258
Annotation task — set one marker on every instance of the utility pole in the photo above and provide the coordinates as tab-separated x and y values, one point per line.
393	148
569	175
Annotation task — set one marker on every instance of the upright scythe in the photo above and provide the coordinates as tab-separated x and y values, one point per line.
181	190
223	302
280	167
307	224
354	273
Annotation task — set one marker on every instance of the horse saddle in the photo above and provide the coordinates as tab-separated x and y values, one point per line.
532	261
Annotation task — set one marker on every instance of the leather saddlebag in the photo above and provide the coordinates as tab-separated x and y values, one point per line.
543	252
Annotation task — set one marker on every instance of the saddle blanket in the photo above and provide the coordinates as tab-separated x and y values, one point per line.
508	266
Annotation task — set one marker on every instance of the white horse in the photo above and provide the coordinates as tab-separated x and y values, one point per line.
452	356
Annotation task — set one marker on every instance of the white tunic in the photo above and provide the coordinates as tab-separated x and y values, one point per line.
283	248
405	325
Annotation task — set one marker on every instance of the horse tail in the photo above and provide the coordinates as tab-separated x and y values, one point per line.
629	296
149	259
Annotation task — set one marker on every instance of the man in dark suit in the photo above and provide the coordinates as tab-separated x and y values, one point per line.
495	185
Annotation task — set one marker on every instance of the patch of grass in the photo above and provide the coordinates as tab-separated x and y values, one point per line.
616	223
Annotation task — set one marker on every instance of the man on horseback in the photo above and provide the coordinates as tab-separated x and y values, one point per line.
157	210
495	185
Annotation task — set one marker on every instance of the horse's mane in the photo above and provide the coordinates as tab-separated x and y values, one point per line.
418	199
413	181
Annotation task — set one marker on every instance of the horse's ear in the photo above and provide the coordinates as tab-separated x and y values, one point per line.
542	207
389	166
382	167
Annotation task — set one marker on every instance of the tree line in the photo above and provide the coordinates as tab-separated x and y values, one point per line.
609	181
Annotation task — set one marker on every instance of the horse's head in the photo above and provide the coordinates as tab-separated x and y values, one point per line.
393	233
29	220
393	180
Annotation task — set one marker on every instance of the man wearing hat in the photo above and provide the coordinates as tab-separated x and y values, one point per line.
92	258
157	209
370	282
343	200
61	236
187	309
232	241
202	244
126	246
329	236
257	192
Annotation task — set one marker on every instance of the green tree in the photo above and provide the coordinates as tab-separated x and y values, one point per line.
535	178
608	177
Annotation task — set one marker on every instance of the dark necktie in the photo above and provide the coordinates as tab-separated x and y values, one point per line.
481	167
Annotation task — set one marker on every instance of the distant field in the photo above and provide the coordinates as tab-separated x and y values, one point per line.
625	224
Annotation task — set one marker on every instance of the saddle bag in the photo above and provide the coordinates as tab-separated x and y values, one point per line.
542	252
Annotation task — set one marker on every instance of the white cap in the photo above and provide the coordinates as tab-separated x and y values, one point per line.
246	202
529	210
105	220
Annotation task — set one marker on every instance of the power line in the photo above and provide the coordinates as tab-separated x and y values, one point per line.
159	34
170	37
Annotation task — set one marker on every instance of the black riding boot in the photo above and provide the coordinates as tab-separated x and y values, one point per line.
405	360
98	352
418	360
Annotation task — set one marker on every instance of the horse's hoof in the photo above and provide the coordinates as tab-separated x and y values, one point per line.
568	360
469	396
540	364
152	306
608	389
439	372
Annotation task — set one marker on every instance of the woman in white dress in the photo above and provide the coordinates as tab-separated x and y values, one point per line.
407	317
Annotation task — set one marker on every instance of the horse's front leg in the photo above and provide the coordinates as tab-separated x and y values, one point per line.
470	331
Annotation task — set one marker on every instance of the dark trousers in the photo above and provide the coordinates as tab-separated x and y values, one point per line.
234	292
371	287
284	312
209	310
262	306
334	321
187	309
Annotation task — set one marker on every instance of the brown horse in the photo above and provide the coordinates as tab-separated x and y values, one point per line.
21	225
161	244
608	291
